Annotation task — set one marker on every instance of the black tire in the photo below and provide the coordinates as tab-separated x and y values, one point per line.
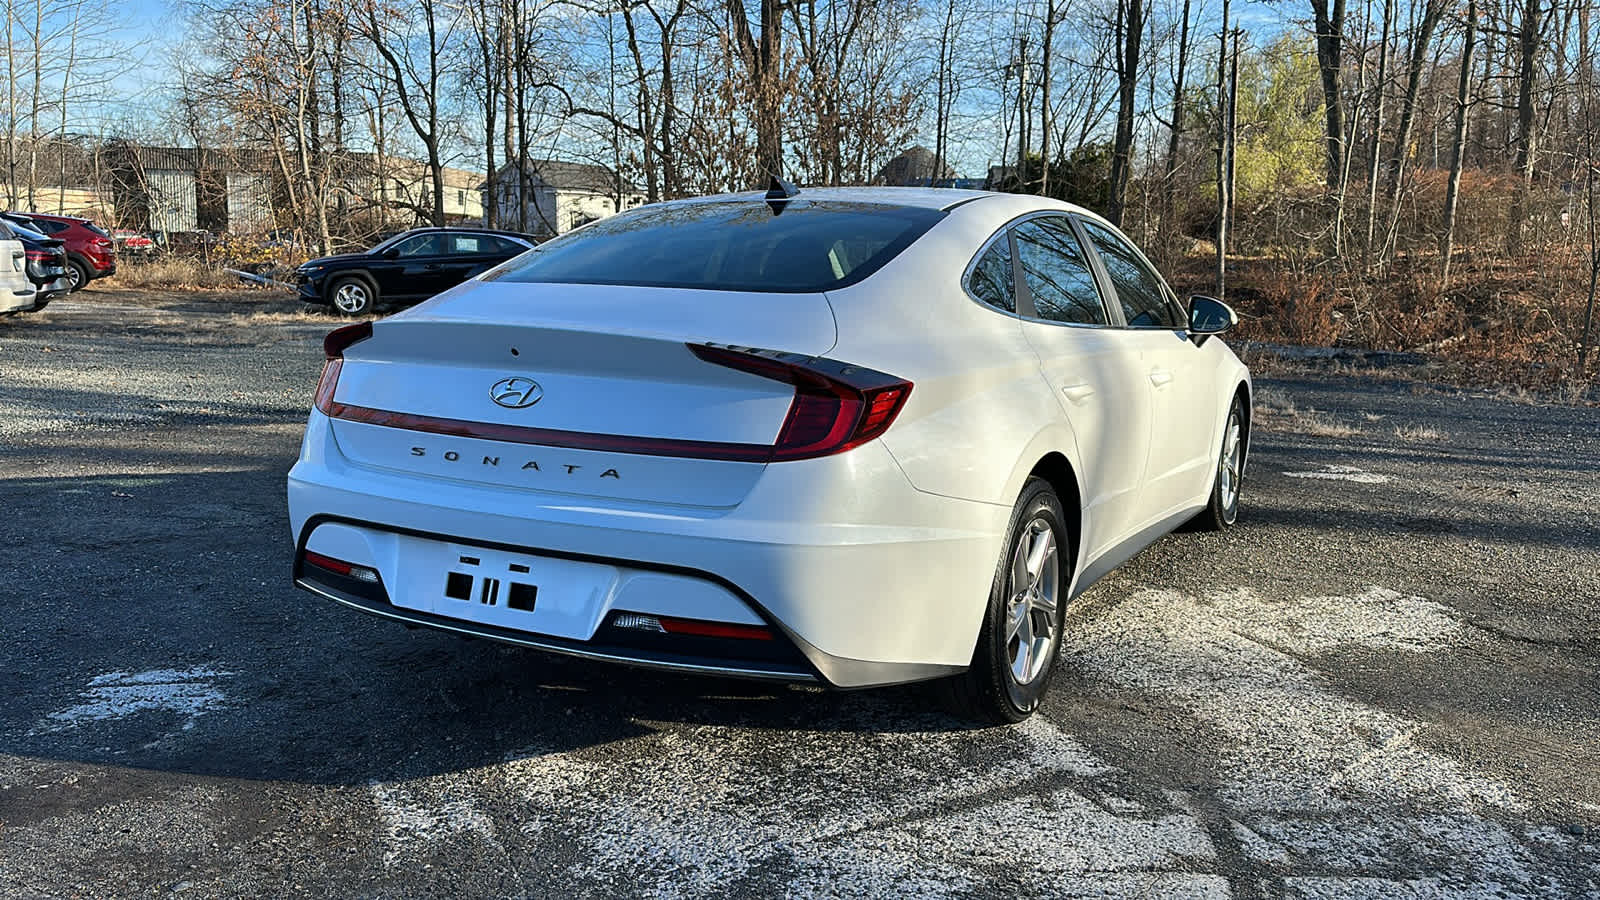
1223	509
990	691
78	274
352	295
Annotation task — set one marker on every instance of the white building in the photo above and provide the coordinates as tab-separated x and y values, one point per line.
561	196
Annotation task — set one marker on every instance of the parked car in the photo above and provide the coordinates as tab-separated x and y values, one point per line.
413	265
91	252
17	290
969	408
46	261
134	242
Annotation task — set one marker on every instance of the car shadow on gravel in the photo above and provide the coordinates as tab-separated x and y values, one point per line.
157	629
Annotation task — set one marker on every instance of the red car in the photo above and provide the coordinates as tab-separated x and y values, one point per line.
91	253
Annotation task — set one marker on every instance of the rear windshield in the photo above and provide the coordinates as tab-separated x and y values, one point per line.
729	246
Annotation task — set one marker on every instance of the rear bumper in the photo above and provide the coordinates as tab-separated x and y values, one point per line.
794	672
871	581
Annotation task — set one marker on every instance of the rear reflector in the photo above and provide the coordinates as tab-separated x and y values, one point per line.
691	627
340	567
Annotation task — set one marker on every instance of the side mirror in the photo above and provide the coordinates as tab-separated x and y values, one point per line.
391	253
1208	316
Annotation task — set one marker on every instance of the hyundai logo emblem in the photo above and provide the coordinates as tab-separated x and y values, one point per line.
516	393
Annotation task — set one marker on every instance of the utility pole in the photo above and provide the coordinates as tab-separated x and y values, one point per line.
1224	155
1022	111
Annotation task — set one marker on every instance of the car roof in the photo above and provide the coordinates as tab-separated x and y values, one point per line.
456	229
923	198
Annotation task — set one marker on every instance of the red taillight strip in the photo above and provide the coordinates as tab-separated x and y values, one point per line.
547	437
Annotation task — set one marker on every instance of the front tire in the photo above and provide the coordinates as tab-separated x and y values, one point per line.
1021	633
1223	509
352	296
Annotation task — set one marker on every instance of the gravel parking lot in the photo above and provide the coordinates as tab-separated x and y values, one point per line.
1383	683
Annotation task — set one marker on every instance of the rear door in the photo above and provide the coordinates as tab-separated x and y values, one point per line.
1184	391
467	253
1102	392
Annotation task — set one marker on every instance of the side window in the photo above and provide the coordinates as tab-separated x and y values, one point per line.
421	245
468	243
1139	289
1057	272
991	279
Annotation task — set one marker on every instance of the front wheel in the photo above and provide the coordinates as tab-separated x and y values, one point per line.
352	296
1021	631
1223	509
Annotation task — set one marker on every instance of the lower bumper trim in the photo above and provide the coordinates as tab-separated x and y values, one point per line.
412	617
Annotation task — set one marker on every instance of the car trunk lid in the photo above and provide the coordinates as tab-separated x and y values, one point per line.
599	393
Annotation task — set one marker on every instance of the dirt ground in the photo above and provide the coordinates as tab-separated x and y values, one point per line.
1382	683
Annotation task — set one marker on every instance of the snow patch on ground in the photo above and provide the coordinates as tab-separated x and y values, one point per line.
1342	473
1301	751
190	693
408	820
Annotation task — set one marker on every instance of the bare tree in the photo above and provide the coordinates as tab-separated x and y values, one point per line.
1458	143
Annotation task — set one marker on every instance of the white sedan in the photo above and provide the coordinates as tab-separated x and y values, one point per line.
853	437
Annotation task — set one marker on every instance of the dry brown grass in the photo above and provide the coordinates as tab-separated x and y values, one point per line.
1418	433
172	273
1275	410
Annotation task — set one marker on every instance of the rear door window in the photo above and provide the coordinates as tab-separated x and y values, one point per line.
471	244
1057	272
730	246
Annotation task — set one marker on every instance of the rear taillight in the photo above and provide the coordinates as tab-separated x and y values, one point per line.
41	256
837	406
333	347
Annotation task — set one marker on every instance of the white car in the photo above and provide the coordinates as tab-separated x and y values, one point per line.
17	291
854	437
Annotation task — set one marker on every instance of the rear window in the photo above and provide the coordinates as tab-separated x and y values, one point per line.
729	246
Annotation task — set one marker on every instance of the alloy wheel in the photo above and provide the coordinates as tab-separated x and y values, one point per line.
1033	591
1228	468
351	298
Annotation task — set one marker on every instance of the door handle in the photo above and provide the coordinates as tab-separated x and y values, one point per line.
1160	377
1077	393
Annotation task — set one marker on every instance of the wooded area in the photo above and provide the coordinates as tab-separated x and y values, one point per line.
1415	174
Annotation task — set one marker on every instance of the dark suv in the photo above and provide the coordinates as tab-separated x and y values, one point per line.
91	252
411	266
46	261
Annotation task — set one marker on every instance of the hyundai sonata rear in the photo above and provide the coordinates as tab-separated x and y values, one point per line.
760	436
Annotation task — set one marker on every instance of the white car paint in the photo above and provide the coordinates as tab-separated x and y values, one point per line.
875	562
17	292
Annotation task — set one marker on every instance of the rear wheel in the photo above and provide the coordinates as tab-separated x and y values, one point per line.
352	296
1223	509
77	274
1021	632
